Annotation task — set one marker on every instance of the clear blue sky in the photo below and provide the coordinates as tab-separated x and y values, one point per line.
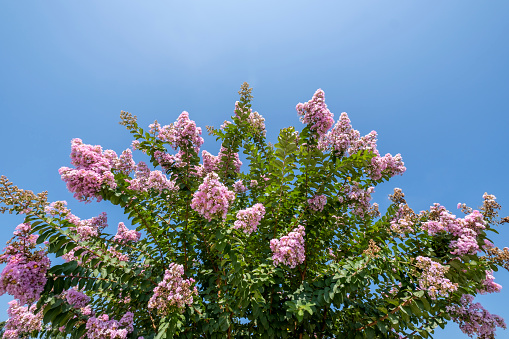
431	77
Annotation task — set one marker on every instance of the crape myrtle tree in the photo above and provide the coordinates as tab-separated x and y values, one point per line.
290	248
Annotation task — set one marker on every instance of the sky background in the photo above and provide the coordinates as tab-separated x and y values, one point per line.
431	77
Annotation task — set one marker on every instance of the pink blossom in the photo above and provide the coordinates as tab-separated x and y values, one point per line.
464	230
315	113
249	219
340	137
317	203
433	280
57	208
93	169
125	235
146	180
473	319
289	249
213	163
386	165
125	162
183	133
102	327
22	321
358	198
173	292
24	276
238	187
135	145
77	298
366	143
489	284
212	199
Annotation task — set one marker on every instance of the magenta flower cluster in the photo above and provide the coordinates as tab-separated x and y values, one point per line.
465	231
473	319
173	292
212	199
315	113
289	250
433	280
76	298
102	327
317	203
125	235
22	321
24	276
182	134
249	219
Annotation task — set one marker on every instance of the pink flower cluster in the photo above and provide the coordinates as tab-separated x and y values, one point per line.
24	276
343	139
365	143
489	284
238	187
357	198
316	114
145	179
212	163
249	219
167	160
255	120
102	327
473	319
402	223
173	292
341	136
93	169
89	227
76	298
433	280
212	199
125	235
386	165
57	208
289	249
85	229
317	203
464	230
181	134
125	162
22	321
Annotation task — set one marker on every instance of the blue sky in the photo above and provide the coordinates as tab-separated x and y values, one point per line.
431	77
